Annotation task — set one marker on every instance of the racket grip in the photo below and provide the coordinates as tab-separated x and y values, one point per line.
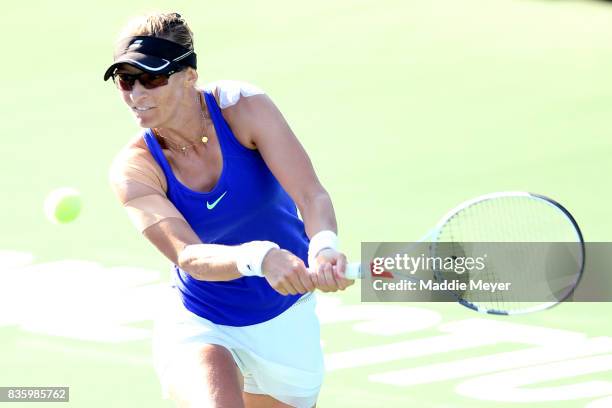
353	270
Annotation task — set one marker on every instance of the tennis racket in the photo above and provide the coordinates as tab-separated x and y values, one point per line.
531	221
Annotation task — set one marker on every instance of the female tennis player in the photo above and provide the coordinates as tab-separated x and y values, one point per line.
214	182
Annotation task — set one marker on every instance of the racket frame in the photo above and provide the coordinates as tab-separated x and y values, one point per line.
354	270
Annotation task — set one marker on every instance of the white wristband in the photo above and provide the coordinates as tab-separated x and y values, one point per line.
251	255
321	240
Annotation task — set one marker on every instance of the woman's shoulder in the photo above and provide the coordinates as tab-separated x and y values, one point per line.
134	149
134	162
229	92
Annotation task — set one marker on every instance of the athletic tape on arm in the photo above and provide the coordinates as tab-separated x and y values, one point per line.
230	92
136	165
149	210
140	185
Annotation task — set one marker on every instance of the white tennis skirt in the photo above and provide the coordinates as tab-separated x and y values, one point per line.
281	357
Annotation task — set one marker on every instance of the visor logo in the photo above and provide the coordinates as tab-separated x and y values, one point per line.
135	44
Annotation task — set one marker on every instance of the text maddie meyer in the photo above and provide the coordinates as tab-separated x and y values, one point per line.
447	285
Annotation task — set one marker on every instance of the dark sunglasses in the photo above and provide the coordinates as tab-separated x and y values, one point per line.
126	82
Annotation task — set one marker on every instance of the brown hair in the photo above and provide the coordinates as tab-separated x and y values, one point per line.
169	26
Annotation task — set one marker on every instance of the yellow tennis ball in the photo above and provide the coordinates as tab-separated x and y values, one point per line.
63	205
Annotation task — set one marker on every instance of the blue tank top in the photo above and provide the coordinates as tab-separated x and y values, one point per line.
246	204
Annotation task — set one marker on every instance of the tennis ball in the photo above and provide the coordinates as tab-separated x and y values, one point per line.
62	205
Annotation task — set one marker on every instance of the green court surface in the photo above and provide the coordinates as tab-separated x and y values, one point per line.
406	108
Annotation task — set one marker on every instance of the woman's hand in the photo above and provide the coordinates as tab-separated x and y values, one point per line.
328	271
286	273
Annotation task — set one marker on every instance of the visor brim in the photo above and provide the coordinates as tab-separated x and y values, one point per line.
146	63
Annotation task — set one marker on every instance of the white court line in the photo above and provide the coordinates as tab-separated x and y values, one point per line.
600	403
491	363
518	385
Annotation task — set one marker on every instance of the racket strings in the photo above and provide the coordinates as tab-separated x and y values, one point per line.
510	219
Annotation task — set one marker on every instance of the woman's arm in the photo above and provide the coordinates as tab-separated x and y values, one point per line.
138	184
258	123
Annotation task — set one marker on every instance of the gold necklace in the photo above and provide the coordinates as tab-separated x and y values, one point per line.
203	139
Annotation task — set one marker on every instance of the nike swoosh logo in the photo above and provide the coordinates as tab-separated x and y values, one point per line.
214	204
